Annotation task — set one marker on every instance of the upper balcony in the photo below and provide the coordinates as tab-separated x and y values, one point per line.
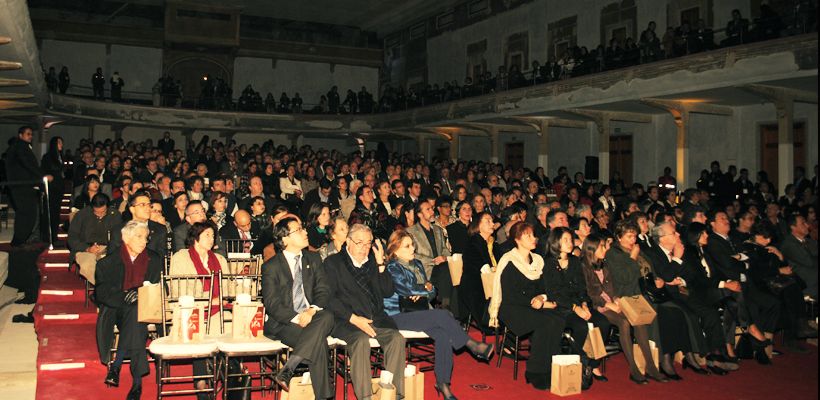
718	77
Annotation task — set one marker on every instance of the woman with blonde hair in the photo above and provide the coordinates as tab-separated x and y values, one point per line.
410	308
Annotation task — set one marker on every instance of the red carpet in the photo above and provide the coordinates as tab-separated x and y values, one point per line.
65	341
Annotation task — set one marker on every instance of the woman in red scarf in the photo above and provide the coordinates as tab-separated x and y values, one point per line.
199	259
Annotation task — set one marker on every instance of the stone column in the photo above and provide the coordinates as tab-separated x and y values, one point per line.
455	144
495	144
785	143
544	145
682	149
603	126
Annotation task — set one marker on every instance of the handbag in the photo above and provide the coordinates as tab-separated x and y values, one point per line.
652	293
408	305
778	283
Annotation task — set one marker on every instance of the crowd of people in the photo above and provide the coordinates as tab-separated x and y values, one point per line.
379	230
688	38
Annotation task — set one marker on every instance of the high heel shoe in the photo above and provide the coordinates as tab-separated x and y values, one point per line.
444	389
762	358
601	378
695	368
112	378
640	381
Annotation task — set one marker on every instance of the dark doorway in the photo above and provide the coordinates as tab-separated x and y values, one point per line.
620	157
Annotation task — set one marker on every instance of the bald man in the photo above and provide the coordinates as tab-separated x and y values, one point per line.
242	228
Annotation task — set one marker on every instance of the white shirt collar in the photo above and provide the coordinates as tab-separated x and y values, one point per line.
356	263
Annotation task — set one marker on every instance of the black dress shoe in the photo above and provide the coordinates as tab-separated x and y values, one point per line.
134	393
672	377
283	378
762	358
660	378
695	368
717	370
23	318
26	300
112	378
640	381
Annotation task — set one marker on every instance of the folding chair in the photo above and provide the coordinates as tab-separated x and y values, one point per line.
165	350
244	277
420	349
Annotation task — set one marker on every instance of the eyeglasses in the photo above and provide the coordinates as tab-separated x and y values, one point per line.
142	205
196	212
296	231
362	244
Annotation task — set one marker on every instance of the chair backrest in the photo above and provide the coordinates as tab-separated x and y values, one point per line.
244	276
238	248
200	287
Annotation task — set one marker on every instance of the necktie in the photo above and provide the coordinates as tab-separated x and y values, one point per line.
299	301
246	242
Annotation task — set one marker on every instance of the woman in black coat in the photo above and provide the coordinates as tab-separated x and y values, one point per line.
52	164
520	302
457	231
767	264
477	255
564	280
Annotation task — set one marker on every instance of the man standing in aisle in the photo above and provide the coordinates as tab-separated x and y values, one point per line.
24	188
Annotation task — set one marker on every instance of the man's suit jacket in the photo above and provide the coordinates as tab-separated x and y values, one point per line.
110	274
231	232
166	145
349	299
724	267
277	288
312	197
180	234
78	239
665	268
424	252
803	259
21	165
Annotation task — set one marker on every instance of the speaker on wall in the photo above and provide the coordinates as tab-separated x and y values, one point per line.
591	168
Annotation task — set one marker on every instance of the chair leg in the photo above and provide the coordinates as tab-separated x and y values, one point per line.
225	378
501	347
515	359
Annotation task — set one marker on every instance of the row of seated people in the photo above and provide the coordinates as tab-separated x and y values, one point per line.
553	291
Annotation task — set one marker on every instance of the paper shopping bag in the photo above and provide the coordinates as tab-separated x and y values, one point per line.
413	383
188	323
566	375
637	310
488	281
594	345
456	264
149	303
383	391
248	321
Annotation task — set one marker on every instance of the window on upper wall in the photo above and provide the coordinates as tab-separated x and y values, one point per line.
476	60
561	35
517	51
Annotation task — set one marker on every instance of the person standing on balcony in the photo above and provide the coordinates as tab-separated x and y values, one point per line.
98	84
116	87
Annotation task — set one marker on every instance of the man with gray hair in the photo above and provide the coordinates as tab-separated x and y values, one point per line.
118	277
667	258
359	283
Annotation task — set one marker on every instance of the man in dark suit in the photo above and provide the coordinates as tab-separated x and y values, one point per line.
295	294
23	167
118	276
359	284
139	206
760	313
801	252
193	213
238	236
166	144
320	194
